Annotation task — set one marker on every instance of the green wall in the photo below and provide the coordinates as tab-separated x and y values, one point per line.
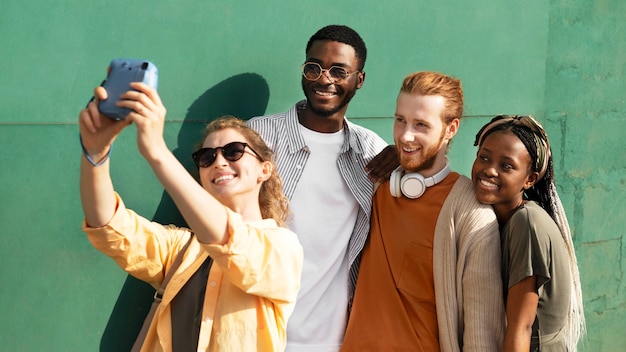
585	107
562	61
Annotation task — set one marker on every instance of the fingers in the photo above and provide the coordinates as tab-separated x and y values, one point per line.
144	100
84	119
376	175
141	106
148	91
382	165
100	93
140	100
90	116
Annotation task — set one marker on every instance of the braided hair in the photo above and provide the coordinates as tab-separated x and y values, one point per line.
544	193
540	191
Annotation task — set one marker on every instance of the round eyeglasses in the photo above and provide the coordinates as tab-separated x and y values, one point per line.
313	71
232	151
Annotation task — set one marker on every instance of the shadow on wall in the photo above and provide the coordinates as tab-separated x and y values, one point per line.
245	96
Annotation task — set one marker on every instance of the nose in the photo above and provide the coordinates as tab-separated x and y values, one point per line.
219	159
407	136
326	76
490	171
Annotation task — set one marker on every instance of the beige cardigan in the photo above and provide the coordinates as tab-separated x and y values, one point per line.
466	265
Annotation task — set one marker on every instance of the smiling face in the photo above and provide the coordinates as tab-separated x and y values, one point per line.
325	98
234	183
419	133
501	173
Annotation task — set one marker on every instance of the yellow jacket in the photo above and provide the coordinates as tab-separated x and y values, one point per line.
251	289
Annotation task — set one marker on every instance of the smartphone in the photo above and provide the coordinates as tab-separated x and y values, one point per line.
121	73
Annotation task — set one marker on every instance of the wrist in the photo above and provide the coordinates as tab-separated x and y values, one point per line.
96	159
155	153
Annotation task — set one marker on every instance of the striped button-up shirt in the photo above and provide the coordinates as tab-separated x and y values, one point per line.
281	133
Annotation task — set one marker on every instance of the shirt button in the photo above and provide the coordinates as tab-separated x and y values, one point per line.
213	283
207	320
298	167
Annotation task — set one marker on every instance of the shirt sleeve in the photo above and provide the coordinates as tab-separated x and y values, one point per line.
529	249
482	285
260	258
468	284
142	248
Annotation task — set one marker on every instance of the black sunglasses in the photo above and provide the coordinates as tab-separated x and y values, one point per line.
232	151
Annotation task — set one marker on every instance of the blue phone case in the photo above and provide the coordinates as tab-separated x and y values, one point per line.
122	73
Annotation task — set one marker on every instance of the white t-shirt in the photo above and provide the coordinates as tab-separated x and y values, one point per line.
325	212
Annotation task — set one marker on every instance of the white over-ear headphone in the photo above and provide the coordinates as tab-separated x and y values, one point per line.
413	184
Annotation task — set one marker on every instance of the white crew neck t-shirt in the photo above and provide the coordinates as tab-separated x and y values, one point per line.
325	212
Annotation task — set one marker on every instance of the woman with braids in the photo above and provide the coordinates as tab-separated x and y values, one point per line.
513	172
239	271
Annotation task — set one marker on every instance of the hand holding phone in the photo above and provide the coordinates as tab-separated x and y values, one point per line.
121	73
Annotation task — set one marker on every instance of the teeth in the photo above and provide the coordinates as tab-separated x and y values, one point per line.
223	178
327	94
409	150
488	184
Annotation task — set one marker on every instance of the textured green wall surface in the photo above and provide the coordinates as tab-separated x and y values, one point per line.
585	108
562	61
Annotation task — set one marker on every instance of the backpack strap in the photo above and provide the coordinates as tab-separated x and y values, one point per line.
158	296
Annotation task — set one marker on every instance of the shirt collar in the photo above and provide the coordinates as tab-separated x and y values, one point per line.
296	140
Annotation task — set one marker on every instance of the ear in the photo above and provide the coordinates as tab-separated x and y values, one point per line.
452	128
531	179
360	79
266	171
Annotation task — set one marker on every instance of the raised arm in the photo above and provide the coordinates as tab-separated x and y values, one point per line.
205	215
97	134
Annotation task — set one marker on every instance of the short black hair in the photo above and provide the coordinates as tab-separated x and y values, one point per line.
342	34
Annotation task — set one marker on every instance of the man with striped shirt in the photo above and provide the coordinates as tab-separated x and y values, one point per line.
321	158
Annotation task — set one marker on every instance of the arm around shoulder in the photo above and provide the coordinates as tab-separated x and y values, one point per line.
479	248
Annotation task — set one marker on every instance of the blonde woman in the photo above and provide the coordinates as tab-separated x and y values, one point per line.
237	283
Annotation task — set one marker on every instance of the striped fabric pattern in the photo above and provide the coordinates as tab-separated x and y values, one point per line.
281	133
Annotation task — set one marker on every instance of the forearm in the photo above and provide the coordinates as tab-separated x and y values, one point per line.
517	339
521	310
204	214
96	192
484	315
483	300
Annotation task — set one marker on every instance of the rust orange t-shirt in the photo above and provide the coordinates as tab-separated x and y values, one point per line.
394	306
